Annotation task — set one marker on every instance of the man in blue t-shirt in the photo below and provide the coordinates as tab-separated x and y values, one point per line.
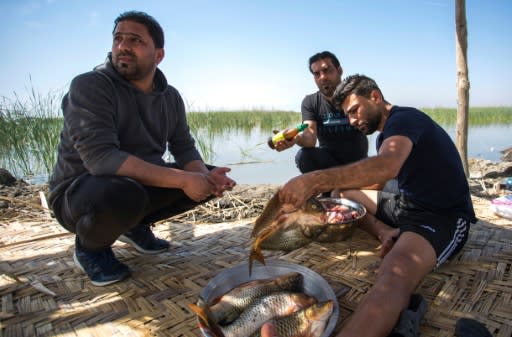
339	142
421	226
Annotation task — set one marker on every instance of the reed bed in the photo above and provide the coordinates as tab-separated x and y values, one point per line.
29	133
478	116
30	128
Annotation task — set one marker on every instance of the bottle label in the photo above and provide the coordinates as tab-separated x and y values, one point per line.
278	137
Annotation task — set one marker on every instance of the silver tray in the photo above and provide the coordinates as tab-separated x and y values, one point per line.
314	285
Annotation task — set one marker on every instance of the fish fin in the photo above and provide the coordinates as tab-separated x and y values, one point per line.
256	253
270	211
204	314
264	234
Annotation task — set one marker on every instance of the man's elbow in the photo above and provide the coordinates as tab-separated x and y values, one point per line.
389	171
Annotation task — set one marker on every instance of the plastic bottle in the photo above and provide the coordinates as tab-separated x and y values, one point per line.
287	134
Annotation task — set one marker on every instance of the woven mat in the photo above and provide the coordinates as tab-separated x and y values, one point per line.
43	294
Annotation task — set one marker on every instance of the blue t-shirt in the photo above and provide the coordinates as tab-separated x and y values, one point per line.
432	176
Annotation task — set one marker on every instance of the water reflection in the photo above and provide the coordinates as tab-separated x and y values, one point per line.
253	162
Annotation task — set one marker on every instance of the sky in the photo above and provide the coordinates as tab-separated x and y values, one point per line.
253	54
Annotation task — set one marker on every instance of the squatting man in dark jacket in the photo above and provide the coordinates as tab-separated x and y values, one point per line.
421	226
110	181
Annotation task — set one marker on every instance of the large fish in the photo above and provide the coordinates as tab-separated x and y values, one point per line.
230	305
280	227
308	322
266	308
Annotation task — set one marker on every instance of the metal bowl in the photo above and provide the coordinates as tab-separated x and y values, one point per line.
352	205
314	285
341	230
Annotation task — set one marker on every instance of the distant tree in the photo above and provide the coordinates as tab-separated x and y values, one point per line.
461	46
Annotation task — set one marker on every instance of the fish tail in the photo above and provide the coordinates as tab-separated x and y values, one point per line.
256	253
206	318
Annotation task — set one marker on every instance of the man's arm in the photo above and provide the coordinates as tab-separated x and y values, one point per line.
193	180
373	170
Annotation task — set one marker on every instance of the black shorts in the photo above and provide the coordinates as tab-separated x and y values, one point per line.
446	233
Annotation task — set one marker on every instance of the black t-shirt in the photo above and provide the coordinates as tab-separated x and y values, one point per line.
333	127
432	176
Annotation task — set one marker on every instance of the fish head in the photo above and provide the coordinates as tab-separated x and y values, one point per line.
279	220
313	206
318	315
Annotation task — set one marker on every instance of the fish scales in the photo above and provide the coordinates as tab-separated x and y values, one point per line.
281	227
268	307
230	305
308	322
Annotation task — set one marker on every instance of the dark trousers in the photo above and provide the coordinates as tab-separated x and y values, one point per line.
310	159
98	209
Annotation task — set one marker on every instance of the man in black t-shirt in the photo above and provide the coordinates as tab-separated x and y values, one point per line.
339	142
422	226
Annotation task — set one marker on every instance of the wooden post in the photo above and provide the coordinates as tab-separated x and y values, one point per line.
461	47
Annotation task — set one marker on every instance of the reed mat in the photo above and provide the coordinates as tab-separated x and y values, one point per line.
43	294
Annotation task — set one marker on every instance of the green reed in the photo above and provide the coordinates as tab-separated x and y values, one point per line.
30	128
478	116
218	122
206	126
29	133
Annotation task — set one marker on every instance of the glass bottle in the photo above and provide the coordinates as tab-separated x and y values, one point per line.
287	134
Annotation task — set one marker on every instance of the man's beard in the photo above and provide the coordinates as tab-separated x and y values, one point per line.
130	70
327	90
372	125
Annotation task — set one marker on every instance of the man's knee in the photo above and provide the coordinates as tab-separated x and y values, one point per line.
310	159
111	202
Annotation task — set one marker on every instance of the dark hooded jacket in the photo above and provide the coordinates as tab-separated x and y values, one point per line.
106	118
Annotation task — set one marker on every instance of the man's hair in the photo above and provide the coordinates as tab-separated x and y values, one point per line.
154	28
324	55
360	85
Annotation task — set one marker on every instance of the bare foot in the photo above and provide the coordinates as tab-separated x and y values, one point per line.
388	239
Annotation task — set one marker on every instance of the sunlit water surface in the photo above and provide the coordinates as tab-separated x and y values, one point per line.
253	162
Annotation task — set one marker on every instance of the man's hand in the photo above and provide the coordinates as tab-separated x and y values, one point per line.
297	190
220	181
284	144
197	186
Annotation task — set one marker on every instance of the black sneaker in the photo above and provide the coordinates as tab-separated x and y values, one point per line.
102	267
142	238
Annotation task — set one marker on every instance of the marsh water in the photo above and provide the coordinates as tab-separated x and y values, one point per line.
253	162
246	152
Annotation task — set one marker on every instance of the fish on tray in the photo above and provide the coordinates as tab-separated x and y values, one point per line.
281	227
242	311
271	306
308	322
230	305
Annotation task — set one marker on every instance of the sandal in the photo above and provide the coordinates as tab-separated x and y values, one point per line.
409	322
467	327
